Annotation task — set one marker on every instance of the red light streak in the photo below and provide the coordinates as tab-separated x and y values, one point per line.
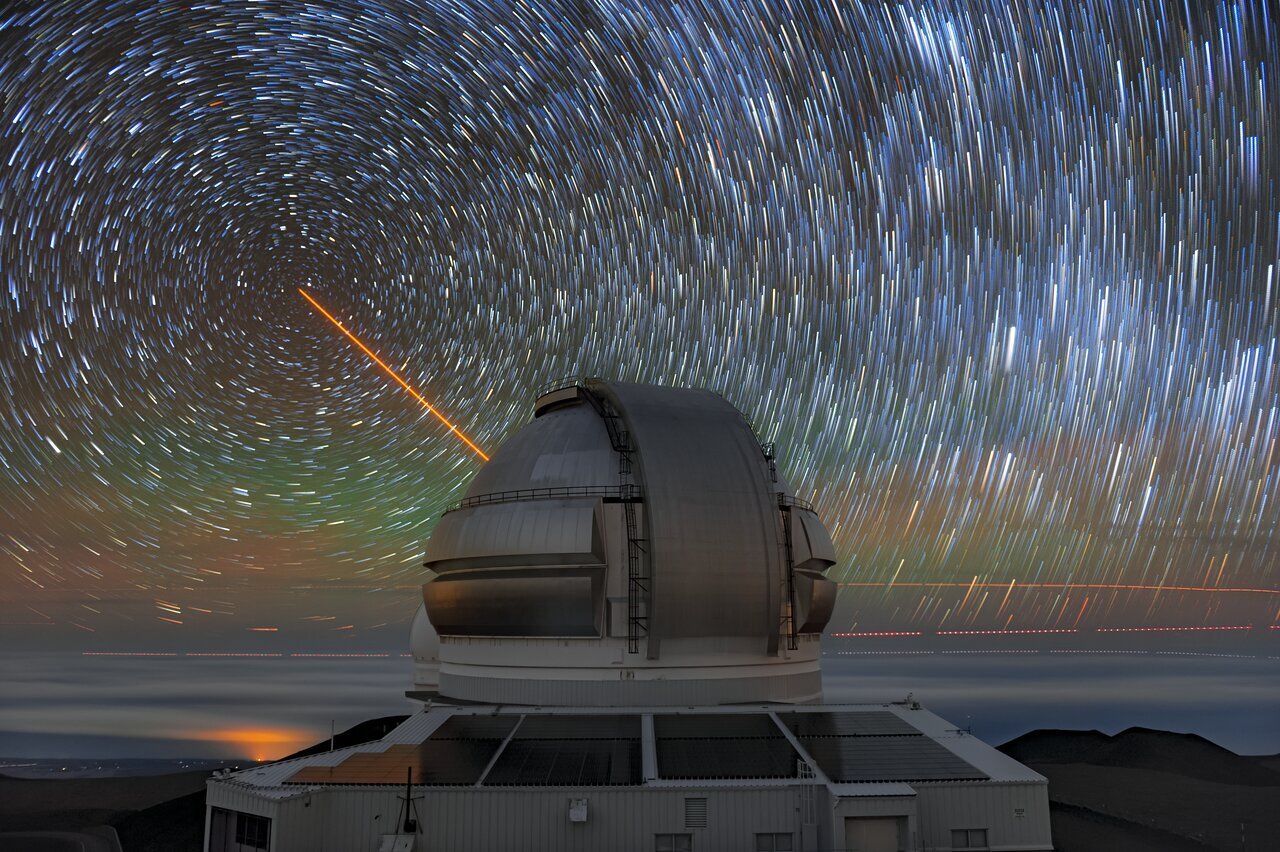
882	633
275	655
870	634
393	374
341	656
1117	587
1006	632
1170	629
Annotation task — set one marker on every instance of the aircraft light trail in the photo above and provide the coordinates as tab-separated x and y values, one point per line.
393	374
1114	587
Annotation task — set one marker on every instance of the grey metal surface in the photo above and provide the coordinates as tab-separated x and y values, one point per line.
566	763
873	723
607	492
813	548
542	532
567	446
715	726
722	746
535	550
495	722
789	688
462	747
597	726
725	758
568	750
713	525
452	762
915	758
815	601
528	602
475	727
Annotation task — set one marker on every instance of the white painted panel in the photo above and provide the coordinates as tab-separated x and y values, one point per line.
872	834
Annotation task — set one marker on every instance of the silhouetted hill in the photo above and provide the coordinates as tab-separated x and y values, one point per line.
142	809
1143	789
1143	748
67	804
1077	829
365	732
173	826
178	825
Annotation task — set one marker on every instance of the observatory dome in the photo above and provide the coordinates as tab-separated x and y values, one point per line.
633	544
424	645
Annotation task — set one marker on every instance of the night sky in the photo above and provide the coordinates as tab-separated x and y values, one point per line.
1001	282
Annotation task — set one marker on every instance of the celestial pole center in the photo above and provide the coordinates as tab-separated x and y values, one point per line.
999	279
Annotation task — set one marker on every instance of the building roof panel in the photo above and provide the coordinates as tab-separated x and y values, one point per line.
914	758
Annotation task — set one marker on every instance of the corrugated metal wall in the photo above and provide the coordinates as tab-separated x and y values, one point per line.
351	819
994	807
235	798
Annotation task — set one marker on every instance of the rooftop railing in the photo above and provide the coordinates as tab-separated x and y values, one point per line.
608	492
559	384
786	501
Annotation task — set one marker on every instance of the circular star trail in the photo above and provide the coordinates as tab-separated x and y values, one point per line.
1002	283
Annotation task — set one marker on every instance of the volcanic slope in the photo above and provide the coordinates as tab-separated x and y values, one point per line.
1143	789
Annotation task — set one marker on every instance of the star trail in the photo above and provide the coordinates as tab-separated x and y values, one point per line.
1001	282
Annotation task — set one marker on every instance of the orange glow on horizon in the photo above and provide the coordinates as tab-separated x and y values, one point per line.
259	743
393	374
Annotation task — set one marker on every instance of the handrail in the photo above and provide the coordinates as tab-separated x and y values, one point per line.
786	501
559	384
617	492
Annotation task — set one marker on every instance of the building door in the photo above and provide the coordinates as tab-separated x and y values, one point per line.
872	834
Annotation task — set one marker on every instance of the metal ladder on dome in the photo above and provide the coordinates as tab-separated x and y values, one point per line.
787	625
629	492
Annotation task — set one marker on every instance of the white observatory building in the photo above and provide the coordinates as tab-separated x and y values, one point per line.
619	649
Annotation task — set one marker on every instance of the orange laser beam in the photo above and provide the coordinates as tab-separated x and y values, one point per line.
393	374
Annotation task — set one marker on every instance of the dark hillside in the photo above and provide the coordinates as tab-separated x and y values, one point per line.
1143	748
1144	789
364	732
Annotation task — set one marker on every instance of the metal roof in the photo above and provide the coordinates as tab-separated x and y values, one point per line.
616	756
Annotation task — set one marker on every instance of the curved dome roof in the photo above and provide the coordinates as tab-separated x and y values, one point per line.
563	447
632	544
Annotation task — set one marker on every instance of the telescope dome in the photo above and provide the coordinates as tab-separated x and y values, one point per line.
424	645
633	544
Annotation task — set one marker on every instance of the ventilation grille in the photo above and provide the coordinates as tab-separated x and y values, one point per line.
695	813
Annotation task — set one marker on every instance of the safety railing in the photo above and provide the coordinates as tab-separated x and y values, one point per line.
559	384
614	492
786	501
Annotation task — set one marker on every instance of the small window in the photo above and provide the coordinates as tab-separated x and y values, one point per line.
232	831
673	843
968	838
253	831
774	842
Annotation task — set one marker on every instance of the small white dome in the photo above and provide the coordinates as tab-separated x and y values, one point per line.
424	644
